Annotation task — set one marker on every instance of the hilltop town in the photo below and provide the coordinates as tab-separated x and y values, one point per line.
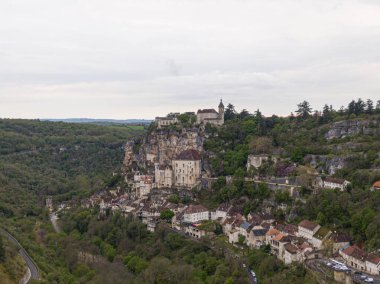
168	171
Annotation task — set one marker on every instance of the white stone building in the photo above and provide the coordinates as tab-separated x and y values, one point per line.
195	214
333	183
211	115
307	229
187	169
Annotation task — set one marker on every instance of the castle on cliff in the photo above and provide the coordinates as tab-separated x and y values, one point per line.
204	116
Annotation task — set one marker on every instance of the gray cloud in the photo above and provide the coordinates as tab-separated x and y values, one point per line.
123	59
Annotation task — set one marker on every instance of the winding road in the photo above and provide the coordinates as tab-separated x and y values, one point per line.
34	272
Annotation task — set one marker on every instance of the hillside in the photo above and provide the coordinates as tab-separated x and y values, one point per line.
40	158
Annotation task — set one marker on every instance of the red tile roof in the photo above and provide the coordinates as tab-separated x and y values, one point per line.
334	180
377	184
355	252
373	259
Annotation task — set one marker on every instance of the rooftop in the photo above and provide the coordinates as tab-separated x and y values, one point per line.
195	209
340	238
209	110
308	225
334	180
355	252
377	184
189	155
290	248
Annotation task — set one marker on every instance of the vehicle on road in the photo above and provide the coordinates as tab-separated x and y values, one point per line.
369	280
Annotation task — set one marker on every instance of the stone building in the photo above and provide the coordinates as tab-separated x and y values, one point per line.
165	121
211	115
187	169
307	229
256	161
142	184
333	183
195	213
163	175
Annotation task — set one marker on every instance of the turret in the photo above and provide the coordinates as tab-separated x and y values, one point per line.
221	111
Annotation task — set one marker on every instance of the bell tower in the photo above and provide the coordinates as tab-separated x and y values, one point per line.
221	112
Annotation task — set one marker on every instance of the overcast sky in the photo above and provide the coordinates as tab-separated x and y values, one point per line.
143	58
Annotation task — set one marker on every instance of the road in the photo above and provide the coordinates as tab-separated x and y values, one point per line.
34	272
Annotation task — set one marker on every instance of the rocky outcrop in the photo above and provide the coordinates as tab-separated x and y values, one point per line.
327	164
161	146
346	128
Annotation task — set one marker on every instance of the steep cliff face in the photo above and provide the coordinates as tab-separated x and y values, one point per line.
162	146
345	128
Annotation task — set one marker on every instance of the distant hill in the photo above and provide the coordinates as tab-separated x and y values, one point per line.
100	121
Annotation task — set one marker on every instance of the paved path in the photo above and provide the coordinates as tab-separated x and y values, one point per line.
34	273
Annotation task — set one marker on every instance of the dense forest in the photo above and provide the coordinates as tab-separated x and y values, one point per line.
40	158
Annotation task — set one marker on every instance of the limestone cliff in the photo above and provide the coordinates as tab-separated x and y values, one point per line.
161	146
345	128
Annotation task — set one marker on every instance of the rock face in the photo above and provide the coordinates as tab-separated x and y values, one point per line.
345	128
327	164
161	146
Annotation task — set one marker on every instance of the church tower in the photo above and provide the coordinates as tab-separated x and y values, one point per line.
221	112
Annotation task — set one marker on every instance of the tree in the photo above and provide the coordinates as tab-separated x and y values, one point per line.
369	106
230	112
304	110
244	113
261	145
359	107
2	250
167	215
351	107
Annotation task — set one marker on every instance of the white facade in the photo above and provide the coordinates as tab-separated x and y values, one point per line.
333	183
309	231
195	214
186	172
372	268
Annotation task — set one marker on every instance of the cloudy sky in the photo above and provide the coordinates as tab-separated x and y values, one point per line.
142	58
